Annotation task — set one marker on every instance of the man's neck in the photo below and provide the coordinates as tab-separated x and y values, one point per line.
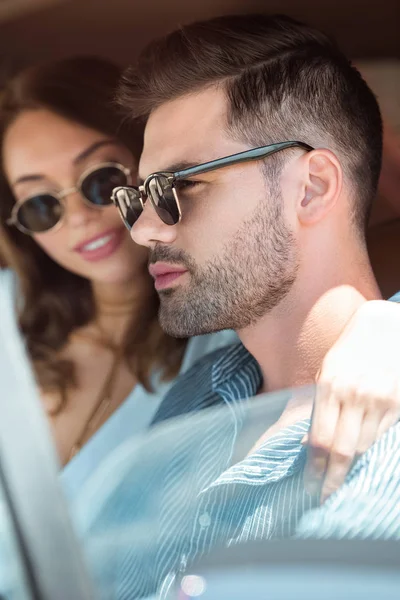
291	341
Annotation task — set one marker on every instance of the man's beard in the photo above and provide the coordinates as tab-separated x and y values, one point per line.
253	274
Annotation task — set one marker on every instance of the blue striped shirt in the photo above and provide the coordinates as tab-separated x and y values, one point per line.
181	493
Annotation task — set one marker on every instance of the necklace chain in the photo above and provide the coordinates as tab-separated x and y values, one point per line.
104	398
102	403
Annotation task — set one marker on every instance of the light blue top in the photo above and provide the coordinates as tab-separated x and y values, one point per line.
134	416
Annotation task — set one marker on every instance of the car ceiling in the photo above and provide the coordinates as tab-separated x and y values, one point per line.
34	30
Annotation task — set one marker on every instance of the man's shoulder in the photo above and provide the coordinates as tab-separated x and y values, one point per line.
395	298
368	503
195	389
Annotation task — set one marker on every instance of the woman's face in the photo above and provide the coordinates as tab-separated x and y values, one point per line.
44	152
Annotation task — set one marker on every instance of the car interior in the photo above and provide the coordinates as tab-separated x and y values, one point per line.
42	558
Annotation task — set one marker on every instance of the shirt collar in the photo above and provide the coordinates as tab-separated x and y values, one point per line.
278	457
236	377
236	374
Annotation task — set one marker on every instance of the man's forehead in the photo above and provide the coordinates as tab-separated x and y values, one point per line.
188	130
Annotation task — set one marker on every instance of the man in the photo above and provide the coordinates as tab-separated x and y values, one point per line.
261	158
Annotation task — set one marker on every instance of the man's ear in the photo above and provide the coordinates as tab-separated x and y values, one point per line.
322	186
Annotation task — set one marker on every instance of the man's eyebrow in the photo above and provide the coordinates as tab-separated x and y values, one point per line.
77	160
179	166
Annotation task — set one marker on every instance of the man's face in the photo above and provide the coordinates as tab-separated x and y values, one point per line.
232	258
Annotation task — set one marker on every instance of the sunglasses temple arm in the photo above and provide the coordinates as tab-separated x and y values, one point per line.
235	159
211	166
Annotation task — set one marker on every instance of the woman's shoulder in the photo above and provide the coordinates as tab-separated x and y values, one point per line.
202	345
7	277
8	283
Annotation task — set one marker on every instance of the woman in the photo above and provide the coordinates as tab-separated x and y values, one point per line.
86	303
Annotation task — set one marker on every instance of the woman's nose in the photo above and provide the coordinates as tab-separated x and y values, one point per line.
77	210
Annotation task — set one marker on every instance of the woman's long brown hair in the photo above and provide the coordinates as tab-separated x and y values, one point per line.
53	302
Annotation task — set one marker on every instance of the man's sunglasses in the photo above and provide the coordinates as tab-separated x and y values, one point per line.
160	187
42	212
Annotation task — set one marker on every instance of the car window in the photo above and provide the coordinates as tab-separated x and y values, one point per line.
305	570
36	532
187	513
12	565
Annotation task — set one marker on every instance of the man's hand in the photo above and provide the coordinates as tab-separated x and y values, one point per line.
358	395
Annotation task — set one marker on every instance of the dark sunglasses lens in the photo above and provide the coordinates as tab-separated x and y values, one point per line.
128	201
40	213
162	194
97	187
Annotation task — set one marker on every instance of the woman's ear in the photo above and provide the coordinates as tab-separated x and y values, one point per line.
322	187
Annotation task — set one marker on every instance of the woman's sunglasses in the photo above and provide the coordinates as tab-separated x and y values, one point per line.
42	212
161	189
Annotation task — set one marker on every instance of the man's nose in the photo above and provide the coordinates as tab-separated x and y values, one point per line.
149	229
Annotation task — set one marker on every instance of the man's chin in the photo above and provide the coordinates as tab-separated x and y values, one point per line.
180	325
177	329
181	315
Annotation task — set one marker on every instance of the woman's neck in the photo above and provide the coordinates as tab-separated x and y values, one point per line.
118	305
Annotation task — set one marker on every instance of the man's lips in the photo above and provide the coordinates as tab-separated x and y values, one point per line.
165	274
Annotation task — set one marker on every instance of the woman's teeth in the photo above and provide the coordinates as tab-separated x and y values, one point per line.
98	243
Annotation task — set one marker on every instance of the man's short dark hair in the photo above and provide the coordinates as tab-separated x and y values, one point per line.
283	80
